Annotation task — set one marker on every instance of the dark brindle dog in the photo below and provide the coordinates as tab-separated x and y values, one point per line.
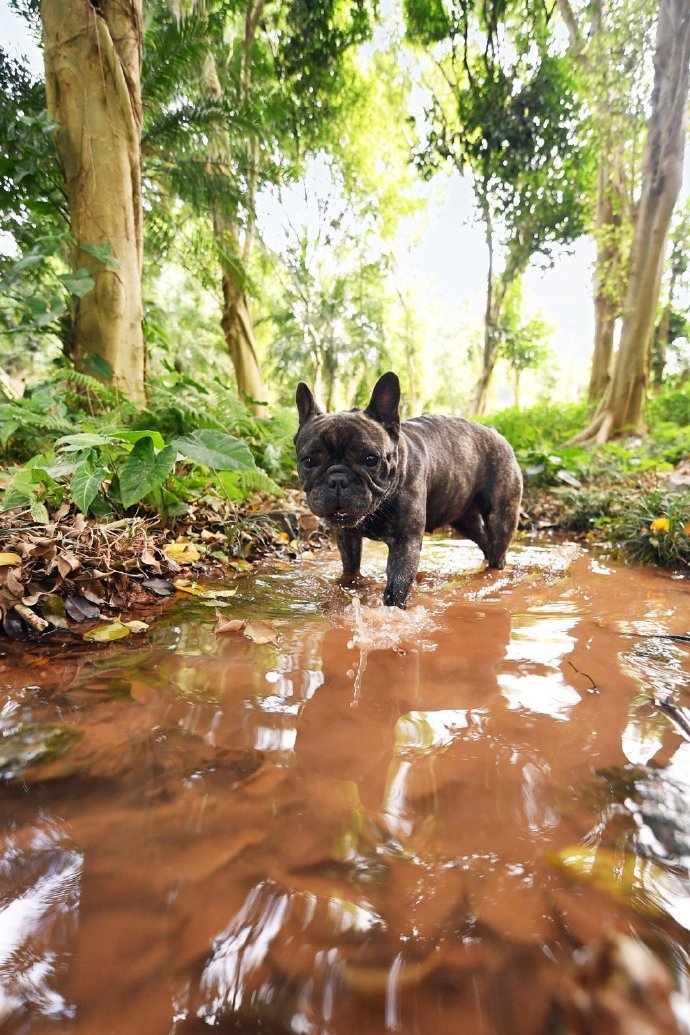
370	475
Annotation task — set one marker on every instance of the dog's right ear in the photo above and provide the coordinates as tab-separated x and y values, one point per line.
306	405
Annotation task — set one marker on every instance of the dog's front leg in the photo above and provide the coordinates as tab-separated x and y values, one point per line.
350	546
403	561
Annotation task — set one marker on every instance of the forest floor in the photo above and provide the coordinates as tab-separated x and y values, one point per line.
104	580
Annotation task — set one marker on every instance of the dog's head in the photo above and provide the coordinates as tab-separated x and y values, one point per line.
347	461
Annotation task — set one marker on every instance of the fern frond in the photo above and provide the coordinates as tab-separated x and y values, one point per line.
251	481
91	384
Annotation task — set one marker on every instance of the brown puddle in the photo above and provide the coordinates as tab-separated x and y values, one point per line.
431	822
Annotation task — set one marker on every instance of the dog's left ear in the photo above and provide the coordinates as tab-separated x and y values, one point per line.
384	402
306	404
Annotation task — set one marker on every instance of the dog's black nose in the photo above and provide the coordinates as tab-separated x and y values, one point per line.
338	480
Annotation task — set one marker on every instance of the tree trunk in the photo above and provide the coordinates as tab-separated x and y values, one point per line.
496	296
238	331
613	211
481	391
236	321
92	55
660	348
517	376
621	407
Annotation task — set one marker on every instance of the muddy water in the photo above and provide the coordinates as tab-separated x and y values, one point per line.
421	822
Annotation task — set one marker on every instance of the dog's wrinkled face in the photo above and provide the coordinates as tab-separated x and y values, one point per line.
347	461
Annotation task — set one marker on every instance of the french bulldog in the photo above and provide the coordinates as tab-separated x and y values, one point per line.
371	475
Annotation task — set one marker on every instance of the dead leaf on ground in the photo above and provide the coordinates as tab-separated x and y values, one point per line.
161	587
195	589
7	557
107	632
80	609
13	582
229	625
53	609
67	563
261	632
182	553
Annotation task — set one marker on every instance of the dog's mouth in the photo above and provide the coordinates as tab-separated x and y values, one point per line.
340	516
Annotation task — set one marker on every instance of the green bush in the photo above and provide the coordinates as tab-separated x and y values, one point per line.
108	472
541	428
192	441
671	406
669	442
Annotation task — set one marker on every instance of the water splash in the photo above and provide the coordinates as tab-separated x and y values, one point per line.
386	628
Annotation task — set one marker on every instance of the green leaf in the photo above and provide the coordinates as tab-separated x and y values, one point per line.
31	259
39	512
136	436
144	471
82	440
215	449
103	252
78	284
107	632
86	481
99	366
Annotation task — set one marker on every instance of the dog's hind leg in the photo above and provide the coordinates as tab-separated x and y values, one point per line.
501	522
472	526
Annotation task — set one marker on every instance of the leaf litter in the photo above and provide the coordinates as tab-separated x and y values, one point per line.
72	570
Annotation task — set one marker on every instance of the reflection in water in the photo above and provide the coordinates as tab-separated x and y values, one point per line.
39	901
420	822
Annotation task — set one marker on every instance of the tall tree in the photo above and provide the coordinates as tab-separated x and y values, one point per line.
621	408
609	41
503	112
672	324
93	55
275	73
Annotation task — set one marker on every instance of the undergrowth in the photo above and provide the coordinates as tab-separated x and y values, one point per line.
193	441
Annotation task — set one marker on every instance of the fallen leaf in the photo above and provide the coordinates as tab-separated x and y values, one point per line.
80	609
228	625
196	590
14	584
183	553
260	632
8	557
621	876
108	631
53	610
136	626
14	626
239	564
161	587
67	563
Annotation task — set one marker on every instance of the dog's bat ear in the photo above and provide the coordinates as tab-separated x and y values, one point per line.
306	404
384	402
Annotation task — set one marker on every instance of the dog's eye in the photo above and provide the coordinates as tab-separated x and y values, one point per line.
372	460
308	462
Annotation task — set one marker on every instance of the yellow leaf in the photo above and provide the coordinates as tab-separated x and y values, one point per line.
659	525
107	632
624	876
9	558
196	590
136	626
239	564
183	553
